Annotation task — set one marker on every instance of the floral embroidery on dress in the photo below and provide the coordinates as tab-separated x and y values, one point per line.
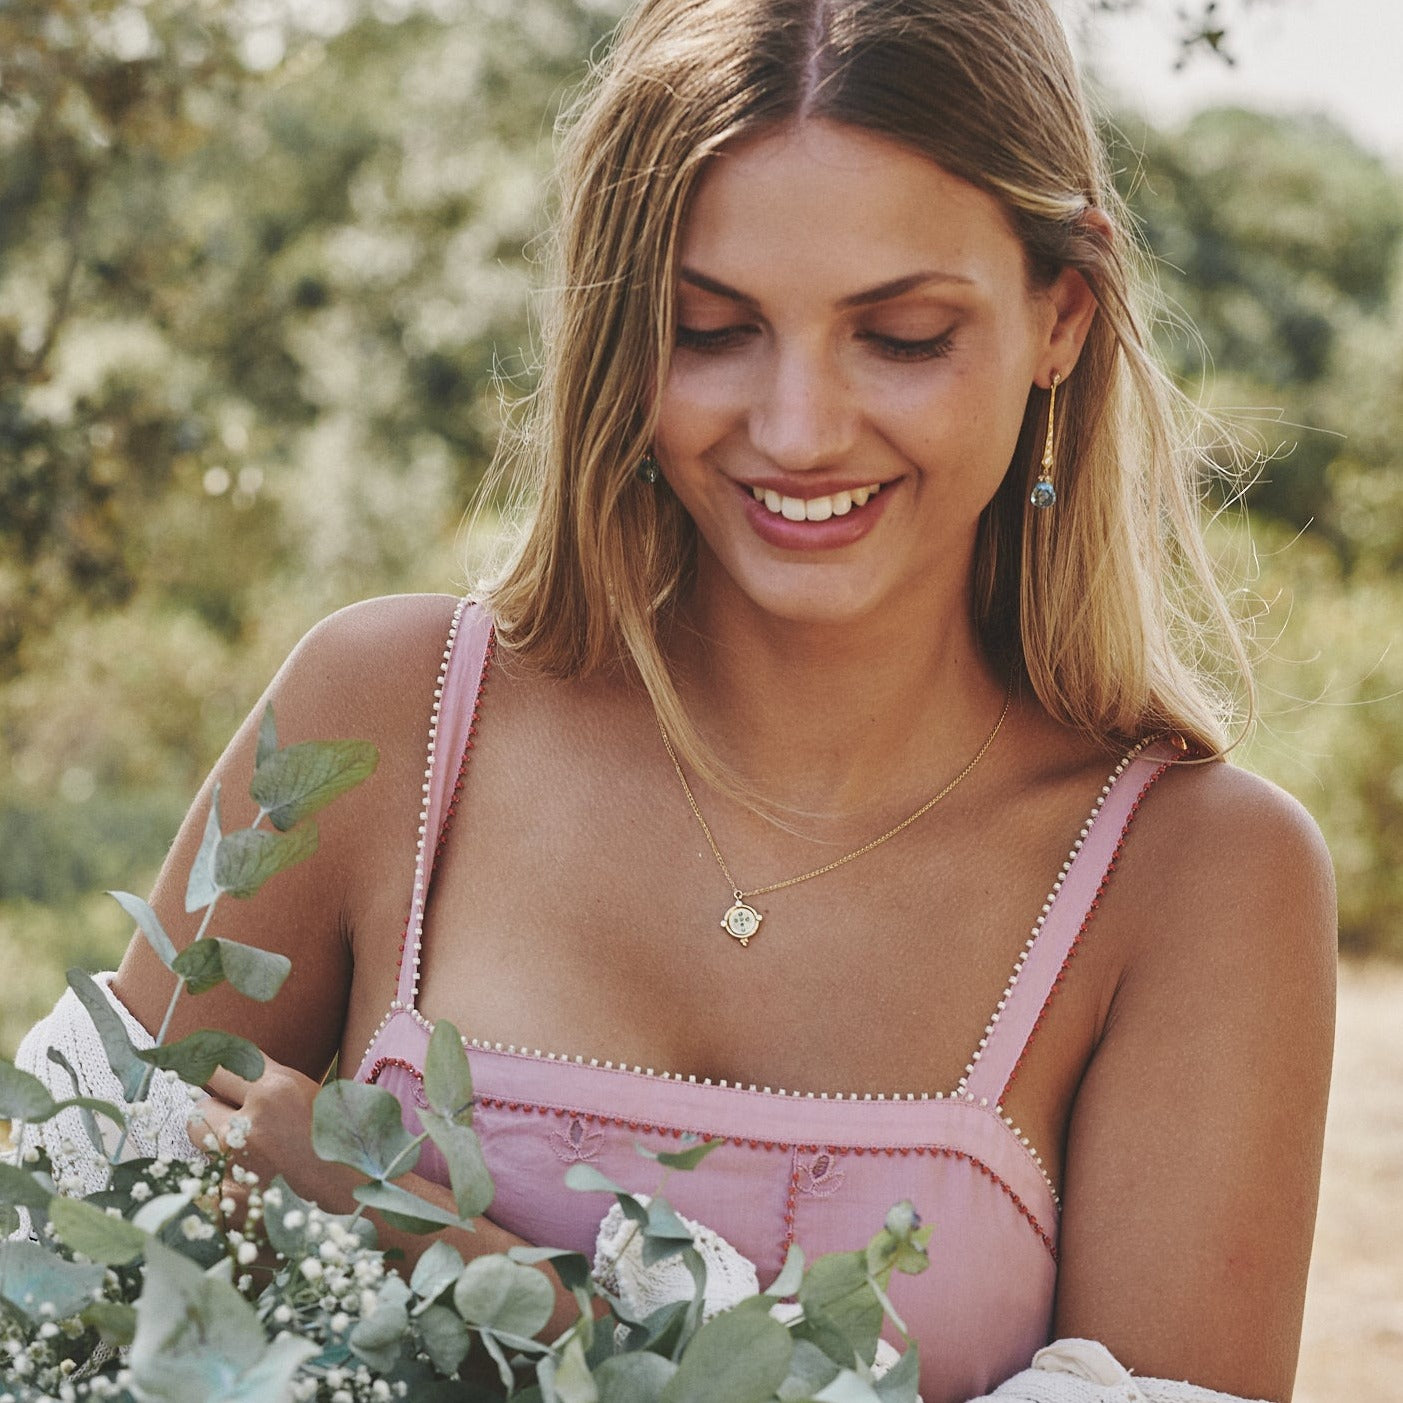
820	1177
577	1144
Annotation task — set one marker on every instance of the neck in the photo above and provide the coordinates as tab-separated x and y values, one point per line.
839	719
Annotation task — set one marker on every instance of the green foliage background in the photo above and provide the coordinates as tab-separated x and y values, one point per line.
264	284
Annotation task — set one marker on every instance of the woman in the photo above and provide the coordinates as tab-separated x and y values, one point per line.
865	552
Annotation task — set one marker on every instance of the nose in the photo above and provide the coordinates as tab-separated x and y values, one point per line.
802	415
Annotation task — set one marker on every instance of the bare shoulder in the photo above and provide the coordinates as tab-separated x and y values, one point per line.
1227	865
368	665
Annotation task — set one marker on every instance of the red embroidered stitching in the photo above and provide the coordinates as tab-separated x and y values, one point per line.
419	1098
1081	931
944	1151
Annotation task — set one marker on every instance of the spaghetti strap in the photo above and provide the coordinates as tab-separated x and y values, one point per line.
1059	928
451	725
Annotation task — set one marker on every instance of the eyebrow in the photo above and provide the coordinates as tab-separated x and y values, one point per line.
883	292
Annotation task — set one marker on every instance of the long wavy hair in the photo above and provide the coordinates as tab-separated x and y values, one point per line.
1106	605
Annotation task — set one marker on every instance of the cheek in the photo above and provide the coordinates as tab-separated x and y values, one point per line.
698	404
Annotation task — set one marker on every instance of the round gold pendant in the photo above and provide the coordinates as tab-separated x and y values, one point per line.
741	921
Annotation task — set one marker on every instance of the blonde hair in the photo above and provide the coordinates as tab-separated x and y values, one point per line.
1106	604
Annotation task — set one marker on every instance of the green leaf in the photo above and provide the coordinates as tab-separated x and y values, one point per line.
267	738
31	1275
379	1337
148	923
195	1057
115	1322
257	974
810	1370
23	1097
901	1383
404	1210
435	1272
301	779
448	1082
837	1287
738	1357
19	1185
634	1378
664	1233
572	1380
445	1338
9	1220
122	1057
790	1276
504	1296
467	1170
272	1378
112	1241
688	1158
193	1331
362	1126
246	858
85	1105
585	1178
847	1387
573	1268
201	888
293	1242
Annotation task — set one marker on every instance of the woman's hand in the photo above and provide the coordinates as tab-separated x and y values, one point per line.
278	1136
278	1140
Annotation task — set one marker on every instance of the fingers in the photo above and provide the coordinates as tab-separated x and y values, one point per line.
228	1087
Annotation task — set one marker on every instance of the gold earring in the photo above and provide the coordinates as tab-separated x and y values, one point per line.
1044	493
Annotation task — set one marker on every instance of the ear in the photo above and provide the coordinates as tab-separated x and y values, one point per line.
1072	305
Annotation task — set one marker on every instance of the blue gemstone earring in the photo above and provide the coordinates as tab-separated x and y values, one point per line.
648	469
1044	493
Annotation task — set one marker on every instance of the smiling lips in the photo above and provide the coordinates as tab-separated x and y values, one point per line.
814	508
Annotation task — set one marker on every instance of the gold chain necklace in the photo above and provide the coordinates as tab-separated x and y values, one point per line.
742	920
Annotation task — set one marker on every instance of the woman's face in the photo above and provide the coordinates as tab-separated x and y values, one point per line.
856	343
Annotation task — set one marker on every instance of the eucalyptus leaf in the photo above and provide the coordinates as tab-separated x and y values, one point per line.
293	1242
112	1241
688	1158
257	974
585	1178
10	1221
23	1187
504	1296
467	1170
435	1272
379	1337
201	889
362	1126
446	1340
85	1106
504	1369
115	1322
664	1233
572	1381
32	1276
193	1331
267	737
737	1357
837	1286
156	1213
901	1383
272	1379
122	1057
448	1082
791	1274
634	1378
573	1268
404	1210
297	781
848	1387
810	1370
148	923
195	1057
23	1096
248	857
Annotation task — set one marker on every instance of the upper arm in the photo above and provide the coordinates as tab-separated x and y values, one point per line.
1194	1146
367	672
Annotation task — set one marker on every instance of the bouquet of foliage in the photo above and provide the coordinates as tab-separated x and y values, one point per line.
179	1282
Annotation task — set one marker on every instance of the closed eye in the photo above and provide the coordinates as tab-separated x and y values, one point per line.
894	347
720	339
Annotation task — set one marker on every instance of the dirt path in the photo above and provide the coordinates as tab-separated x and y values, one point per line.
1352	1351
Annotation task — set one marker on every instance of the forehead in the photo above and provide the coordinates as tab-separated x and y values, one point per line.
826	206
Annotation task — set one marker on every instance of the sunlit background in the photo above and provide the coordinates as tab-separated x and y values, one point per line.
264	293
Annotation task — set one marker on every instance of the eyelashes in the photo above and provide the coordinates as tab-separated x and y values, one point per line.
891	347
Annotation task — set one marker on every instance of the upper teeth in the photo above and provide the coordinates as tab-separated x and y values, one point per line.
815	508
